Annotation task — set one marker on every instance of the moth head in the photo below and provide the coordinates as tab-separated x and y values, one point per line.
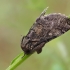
26	45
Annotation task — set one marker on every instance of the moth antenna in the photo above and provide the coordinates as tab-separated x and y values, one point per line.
44	11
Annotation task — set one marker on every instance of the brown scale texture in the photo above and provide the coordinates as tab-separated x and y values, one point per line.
45	28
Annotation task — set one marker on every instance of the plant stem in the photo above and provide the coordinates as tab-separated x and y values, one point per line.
17	61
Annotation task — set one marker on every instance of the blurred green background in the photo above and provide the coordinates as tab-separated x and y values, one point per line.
16	18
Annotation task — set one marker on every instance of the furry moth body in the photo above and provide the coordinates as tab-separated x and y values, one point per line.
45	28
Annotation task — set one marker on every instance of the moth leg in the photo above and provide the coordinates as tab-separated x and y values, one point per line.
39	47
40	41
39	50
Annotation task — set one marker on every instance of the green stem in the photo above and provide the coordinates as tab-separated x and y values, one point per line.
17	61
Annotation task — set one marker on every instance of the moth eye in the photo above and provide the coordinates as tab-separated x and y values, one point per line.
28	37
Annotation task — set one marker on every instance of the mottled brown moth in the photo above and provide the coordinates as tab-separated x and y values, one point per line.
44	29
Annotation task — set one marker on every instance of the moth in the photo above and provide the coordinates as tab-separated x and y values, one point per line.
44	29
